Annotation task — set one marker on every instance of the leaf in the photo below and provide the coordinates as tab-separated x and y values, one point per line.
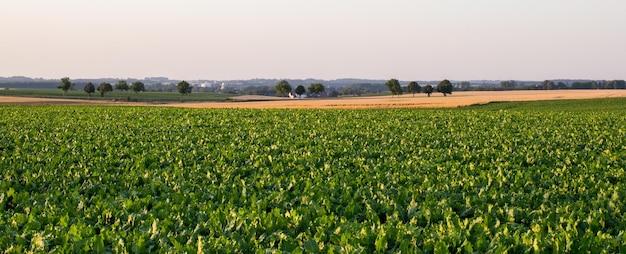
98	244
381	241
441	248
310	246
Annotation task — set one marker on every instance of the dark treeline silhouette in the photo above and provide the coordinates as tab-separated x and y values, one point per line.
334	88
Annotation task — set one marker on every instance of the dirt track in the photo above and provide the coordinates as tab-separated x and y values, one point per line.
437	100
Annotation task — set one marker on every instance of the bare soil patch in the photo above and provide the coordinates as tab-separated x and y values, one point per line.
437	100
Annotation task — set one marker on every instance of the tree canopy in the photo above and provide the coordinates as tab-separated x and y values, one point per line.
65	85
105	87
184	87
394	86
122	85
283	87
89	88
300	90
428	89
547	85
414	87
444	87
316	89
508	84
138	86
613	84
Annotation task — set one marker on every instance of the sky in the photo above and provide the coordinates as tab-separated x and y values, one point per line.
324	39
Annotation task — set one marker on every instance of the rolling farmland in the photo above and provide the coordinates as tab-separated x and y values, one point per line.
516	177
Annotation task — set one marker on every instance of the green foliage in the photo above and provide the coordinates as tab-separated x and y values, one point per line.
104	88
612	84
65	85
283	88
363	88
428	89
444	87
585	85
414	87
508	84
494	178
184	87
148	96
394	86
89	89
137	87
300	90
122	85
316	89
548	85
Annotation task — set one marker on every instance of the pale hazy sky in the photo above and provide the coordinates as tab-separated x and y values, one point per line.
327	39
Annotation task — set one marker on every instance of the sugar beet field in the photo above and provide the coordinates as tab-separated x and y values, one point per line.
516	177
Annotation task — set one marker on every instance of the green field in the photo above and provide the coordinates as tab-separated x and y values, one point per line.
117	95
517	177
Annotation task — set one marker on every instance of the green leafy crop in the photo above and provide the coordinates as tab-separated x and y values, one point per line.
150	179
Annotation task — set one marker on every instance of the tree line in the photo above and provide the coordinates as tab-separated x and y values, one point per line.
445	87
551	85
66	84
283	88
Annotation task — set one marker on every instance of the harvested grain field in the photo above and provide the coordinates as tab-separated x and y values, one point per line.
437	100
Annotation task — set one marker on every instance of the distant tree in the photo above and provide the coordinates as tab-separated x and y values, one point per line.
137	87
444	87
606	84
121	85
184	87
104	87
508	84
362	88
352	90
584	85
613	84
300	89
394	87
561	85
547	85
89	88
577	85
259	90
316	89
413	88
65	85
283	87
428	89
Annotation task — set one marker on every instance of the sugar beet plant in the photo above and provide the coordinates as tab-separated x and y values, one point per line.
146	179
